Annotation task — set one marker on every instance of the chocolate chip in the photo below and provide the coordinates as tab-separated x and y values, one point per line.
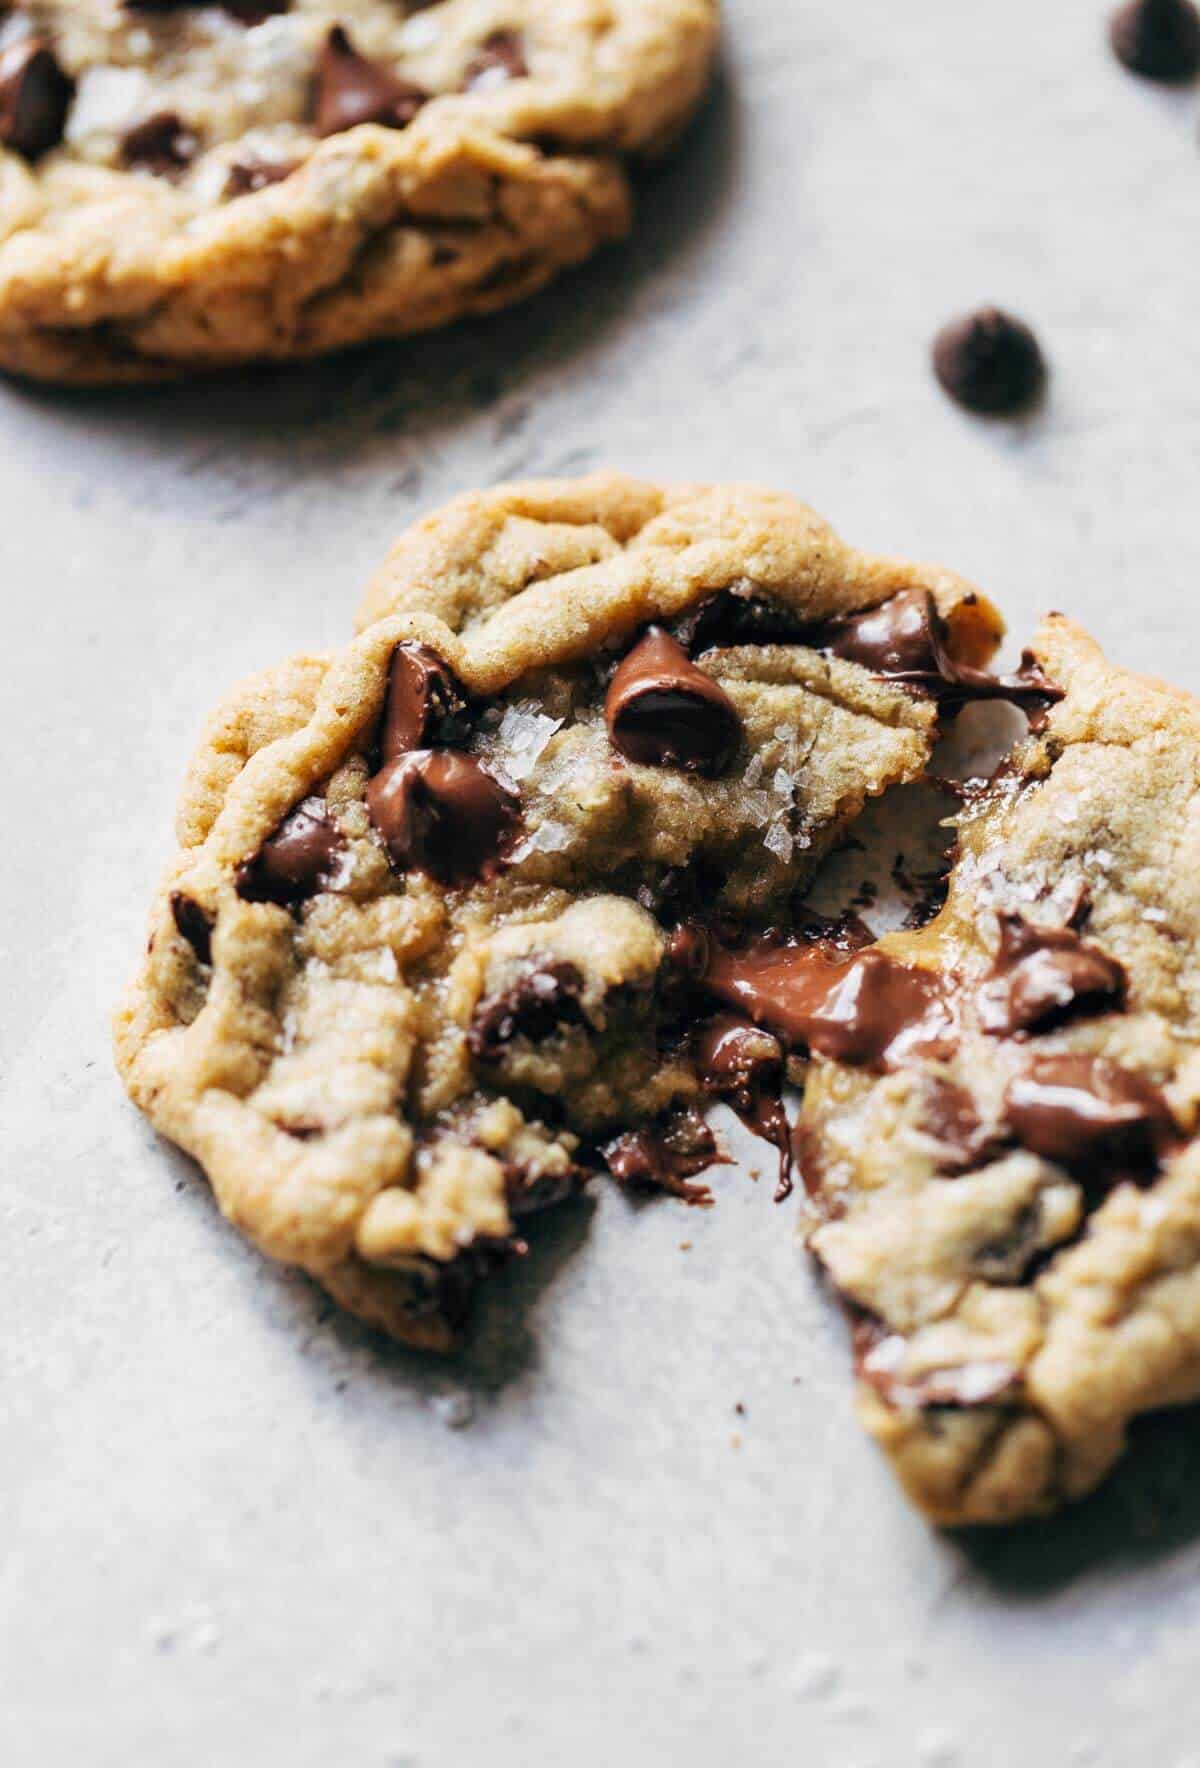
527	1190
664	712
249	175
193	924
501	58
1084	1111
247	12
35	96
295	862
1044	975
162	143
949	1114
989	362
425	702
730	619
743	1065
443	813
351	90
663	1156
537	1005
1157	38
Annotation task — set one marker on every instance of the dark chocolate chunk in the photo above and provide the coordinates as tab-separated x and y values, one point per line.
162	143
248	12
989	362
35	96
864	1009
664	712
905	639
730	619
443	813
1157	38
1044	975
1086	1112
350	90
249	175
664	1156
193	924
295	862
743	1065
501	57
425	702
540	1003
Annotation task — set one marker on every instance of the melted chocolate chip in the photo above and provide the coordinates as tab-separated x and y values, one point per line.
443	813
664	1157
536	1006
527	1191
295	862
743	1065
247	12
728	619
350	90
1086	1112
865	1010
950	1116
162	144
35	96
425	702
989	362
1157	38
193	924
905	639
664	712
1044	975
249	175
501	58
432	1290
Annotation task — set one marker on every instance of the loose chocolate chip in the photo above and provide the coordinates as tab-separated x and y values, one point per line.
664	712
664	1156
1158	38
501	58
295	862
162	143
425	702
443	813
1084	1111
536	1006
247	176
989	362
193	924
351	90
1044	975
35	96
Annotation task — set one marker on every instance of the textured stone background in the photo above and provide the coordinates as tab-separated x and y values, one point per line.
236	1529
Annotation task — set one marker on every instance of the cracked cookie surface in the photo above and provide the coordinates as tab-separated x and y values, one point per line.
1010	1208
426	954
185	186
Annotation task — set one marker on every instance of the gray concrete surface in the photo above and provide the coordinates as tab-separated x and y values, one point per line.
235	1528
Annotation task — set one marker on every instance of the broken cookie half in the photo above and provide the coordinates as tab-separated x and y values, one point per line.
458	912
1003	1179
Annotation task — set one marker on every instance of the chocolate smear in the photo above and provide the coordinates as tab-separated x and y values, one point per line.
664	712
350	89
1043	976
425	702
443	813
1159	39
664	1156
538	1005
989	362
743	1065
35	96
297	861
1091	1115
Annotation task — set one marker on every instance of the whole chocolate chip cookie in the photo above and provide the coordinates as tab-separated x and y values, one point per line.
189	185
1006	1192
458	912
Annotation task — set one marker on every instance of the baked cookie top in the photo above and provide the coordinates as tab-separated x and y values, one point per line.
1004	1175
427	953
322	170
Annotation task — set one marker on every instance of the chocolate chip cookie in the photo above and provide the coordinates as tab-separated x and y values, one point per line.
999	1118
458	912
189	185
